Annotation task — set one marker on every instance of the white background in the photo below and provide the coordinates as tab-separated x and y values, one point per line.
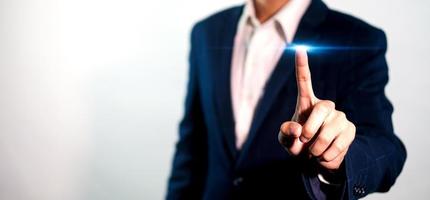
91	92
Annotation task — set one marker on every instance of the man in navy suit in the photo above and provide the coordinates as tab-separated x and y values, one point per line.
325	136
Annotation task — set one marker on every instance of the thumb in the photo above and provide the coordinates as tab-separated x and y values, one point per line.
289	137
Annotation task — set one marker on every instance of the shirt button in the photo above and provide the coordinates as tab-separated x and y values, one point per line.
237	181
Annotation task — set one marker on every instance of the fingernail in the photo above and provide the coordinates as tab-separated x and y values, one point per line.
303	139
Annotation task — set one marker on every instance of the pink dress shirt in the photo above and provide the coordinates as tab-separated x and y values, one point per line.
257	49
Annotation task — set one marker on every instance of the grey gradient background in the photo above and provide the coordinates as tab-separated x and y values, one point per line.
91	92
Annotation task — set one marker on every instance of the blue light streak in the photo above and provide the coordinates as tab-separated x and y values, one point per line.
319	48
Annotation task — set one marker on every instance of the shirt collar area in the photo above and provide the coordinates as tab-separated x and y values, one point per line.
286	20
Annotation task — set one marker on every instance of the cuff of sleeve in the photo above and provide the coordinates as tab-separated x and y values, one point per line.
326	184
335	178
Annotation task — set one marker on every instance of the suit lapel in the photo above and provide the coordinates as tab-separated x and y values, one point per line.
223	104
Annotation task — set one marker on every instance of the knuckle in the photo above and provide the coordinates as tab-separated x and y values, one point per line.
320	105
342	121
353	127
302	77
323	140
341	115
331	154
338	147
329	104
307	132
324	106
319	108
353	130
327	157
344	127
315	151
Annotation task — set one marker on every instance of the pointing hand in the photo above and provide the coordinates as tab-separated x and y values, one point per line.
316	127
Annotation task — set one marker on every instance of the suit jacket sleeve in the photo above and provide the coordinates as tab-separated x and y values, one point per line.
190	159
376	157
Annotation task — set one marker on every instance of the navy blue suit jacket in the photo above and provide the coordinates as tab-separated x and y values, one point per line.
206	163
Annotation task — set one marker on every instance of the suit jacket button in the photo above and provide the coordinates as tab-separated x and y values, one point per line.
359	191
356	191
237	181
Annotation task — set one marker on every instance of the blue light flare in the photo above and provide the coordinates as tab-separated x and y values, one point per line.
321	48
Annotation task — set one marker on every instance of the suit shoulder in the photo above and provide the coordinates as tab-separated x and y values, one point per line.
215	20
223	14
361	31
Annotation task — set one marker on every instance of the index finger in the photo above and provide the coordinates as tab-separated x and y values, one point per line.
303	73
